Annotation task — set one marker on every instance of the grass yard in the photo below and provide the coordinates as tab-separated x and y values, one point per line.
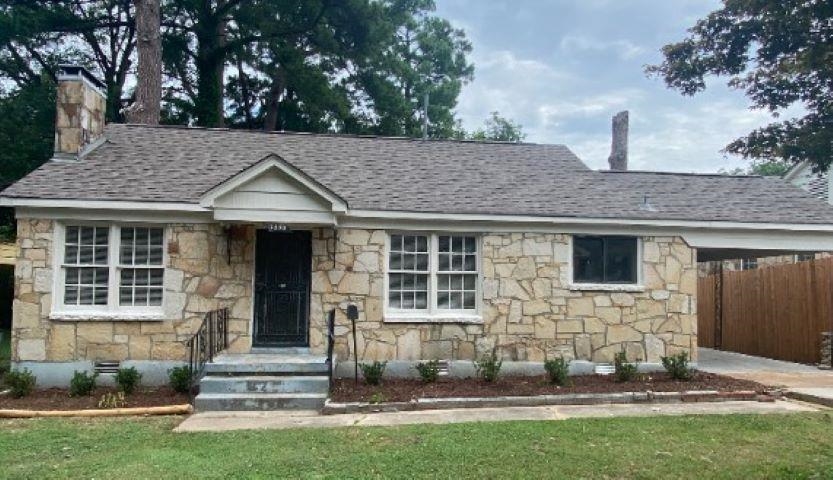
741	446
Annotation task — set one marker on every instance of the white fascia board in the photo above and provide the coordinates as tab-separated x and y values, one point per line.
264	165
354	217
275	216
102	205
139	216
752	240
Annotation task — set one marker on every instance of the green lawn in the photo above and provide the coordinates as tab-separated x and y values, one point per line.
741	446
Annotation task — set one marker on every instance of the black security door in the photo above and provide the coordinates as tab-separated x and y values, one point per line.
283	264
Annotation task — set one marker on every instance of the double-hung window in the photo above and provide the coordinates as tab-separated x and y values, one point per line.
110	268
434	274
605	260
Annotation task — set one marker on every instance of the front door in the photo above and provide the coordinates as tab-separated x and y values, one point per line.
283	264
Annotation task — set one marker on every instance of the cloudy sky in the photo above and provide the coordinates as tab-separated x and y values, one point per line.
562	68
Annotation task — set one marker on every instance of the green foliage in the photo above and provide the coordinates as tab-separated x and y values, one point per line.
677	366
488	367
378	397
429	371
623	370
21	382
128	379
499	129
82	384
112	400
766	168
373	372
180	378
776	53
558	369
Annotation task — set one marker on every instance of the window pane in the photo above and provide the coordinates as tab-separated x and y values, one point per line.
395	261
469	301
621	260
442	300
471	245
408	261
470	264
422	262
394	299
71	254
444	263
422	244
410	244
155	297
444	243
588	259
421	300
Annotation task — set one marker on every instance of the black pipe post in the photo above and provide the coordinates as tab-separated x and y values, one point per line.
353	315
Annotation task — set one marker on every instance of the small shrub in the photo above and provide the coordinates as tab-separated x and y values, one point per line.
378	397
429	371
677	366
128	379
623	370
558	370
112	400
82	384
373	372
488	367
180	378
21	382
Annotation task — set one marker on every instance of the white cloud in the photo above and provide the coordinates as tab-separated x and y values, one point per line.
623	49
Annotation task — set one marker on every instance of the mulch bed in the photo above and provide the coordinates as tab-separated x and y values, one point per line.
59	399
403	390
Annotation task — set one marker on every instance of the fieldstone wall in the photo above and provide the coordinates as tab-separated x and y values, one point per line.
529	311
201	276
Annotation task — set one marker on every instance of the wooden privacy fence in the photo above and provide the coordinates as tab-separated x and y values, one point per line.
777	312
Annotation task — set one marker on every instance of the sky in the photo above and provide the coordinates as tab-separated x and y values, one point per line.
563	68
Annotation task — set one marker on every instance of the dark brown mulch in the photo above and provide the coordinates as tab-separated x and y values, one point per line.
403	390
59	399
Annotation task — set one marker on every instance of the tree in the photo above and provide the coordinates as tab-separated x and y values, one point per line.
146	108
497	128
768	168
779	52
37	35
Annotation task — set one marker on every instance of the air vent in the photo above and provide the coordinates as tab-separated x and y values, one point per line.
106	367
443	366
605	369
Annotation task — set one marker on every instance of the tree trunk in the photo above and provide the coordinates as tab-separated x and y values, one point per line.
273	101
146	108
210	64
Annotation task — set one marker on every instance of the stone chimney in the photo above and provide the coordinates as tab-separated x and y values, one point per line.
618	158
81	105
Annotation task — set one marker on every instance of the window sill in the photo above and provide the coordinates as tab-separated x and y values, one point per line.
462	318
92	316
606	287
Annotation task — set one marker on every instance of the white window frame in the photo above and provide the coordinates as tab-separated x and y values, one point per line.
432	314
639	286
111	311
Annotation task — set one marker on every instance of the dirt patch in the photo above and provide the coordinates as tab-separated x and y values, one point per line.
59	399
403	390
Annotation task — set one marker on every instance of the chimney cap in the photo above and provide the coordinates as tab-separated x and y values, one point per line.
71	72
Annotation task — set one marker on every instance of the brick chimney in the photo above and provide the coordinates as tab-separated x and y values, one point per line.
81	105
618	158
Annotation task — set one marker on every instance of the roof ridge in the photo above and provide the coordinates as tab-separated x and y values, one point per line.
683	174
338	135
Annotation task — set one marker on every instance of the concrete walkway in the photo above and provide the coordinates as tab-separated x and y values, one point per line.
225	421
805	381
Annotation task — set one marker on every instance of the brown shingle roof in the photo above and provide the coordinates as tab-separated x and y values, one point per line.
177	164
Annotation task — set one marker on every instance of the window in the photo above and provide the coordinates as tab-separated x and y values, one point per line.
749	263
804	257
108	267
605	259
433	273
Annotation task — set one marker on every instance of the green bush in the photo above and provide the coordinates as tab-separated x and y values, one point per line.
429	371
624	370
180	378
82	384
128	379
488	367
373	372
558	370
677	366
21	382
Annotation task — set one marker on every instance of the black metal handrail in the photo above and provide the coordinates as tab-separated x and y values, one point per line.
331	338
211	338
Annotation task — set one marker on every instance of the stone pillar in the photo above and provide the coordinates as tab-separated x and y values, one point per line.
826	346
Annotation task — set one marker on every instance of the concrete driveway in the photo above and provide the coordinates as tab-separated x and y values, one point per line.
805	380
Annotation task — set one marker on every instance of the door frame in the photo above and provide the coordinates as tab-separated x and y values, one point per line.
308	305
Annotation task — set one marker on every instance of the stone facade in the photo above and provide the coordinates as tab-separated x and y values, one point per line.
80	114
200	276
529	311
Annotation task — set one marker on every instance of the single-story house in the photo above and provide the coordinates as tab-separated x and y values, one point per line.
449	250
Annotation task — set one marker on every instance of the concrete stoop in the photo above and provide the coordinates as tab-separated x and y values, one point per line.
263	381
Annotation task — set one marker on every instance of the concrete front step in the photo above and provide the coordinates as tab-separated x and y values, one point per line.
264	384
263	363
205	402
